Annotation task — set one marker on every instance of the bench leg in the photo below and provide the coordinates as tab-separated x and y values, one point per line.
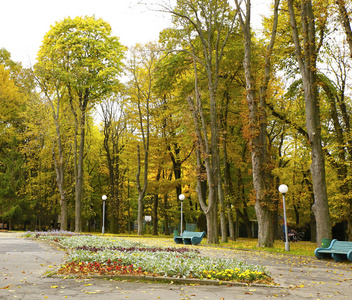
338	257
178	240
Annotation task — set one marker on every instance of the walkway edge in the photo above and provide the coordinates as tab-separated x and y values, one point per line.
170	280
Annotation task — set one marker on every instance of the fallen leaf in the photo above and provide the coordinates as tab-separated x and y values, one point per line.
5	287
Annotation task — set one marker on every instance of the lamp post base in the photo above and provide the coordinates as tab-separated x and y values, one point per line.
287	246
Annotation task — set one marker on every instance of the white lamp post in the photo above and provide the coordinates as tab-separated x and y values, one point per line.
283	190
104	198
181	197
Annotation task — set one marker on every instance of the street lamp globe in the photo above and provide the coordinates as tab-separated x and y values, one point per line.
181	197
104	197
283	188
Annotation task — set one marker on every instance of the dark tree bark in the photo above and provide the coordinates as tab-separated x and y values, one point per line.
345	20
257	128
307	64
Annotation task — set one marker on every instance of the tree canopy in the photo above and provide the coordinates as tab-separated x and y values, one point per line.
215	110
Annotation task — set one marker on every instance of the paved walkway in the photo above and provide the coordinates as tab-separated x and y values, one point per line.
24	263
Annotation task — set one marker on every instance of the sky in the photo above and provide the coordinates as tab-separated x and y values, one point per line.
23	23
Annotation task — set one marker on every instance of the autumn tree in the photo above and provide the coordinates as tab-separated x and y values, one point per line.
257	95
54	94
12	167
345	20
86	60
337	124
206	27
114	127
18	161
307	45
141	66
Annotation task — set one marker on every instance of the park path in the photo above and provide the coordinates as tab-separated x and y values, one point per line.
298	276
23	264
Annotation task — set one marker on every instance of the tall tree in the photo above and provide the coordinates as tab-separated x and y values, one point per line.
88	58
256	101
207	26
346	23
54	93
12	162
306	50
141	67
114	126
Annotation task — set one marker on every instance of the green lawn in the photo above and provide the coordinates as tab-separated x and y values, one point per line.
296	248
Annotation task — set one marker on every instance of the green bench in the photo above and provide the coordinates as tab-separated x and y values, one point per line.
189	237
338	250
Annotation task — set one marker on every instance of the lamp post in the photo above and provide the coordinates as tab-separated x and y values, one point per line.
283	190
181	197
104	198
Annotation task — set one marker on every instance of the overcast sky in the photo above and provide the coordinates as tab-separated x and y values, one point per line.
23	23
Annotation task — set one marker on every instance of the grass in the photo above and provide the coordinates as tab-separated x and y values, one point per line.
296	248
301	248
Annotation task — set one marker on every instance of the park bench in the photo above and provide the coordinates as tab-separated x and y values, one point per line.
338	250
189	237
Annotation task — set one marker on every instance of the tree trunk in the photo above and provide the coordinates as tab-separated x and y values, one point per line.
208	28
63	211
228	187
58	159
231	223
113	129
143	97
79	181
155	214
257	129
156	204
141	194
223	223
166	215
212	225
345	20
59	168
307	66
205	175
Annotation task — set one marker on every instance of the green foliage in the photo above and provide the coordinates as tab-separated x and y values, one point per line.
81	54
80	61
12	161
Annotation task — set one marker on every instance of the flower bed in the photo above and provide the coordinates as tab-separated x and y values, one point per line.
95	255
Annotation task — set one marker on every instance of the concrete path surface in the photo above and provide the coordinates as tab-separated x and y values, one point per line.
24	264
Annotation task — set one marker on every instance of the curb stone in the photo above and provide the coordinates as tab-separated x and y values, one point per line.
188	281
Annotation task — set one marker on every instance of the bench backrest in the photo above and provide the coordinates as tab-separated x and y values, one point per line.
341	245
192	234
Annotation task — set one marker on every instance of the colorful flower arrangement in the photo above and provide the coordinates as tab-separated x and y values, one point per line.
96	255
